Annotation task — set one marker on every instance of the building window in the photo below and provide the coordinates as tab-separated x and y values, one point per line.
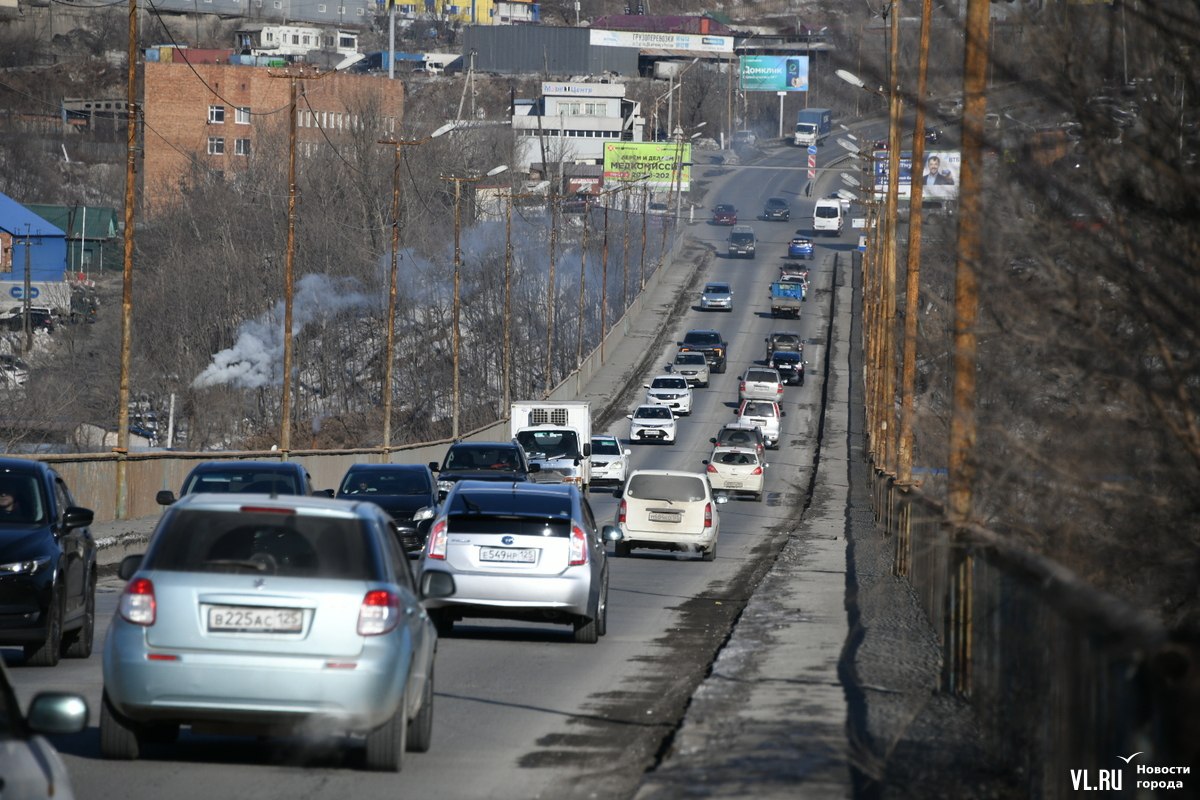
347	42
241	116
216	115
241	147
306	40
278	4
216	146
268	36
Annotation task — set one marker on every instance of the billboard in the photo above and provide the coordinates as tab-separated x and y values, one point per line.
939	175
628	161
706	43
774	73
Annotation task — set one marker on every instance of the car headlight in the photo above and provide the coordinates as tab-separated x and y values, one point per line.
29	567
445	486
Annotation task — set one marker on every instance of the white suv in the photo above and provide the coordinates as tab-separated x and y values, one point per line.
765	415
652	424
693	366
672	391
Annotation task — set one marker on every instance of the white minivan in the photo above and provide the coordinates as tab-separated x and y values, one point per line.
827	216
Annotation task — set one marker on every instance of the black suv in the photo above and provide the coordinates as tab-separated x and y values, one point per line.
784	341
790	366
407	492
483	461
777	208
48	585
244	477
711	343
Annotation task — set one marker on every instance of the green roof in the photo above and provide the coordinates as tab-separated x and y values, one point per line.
102	222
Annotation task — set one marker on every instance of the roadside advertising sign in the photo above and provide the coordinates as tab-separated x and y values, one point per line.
628	161
939	176
774	73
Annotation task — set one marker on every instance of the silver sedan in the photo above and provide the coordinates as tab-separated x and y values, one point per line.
716	297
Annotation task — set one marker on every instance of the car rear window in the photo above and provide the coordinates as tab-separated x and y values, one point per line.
758	409
763	375
690	358
242	482
266	543
514	525
682	488
739	438
785	340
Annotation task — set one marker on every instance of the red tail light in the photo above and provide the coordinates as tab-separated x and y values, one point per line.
379	613
757	471
137	602
437	539
710	468
578	555
741	386
621	512
708	515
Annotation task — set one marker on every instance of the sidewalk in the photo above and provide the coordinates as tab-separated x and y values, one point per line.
770	720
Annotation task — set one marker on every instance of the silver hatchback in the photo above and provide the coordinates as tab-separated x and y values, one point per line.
525	551
259	615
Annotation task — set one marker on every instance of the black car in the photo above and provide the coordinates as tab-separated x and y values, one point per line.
407	492
244	477
483	461
790	366
47	565
784	340
777	208
709	342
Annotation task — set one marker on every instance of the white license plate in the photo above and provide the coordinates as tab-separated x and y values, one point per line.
518	555
733	484
251	619
658	516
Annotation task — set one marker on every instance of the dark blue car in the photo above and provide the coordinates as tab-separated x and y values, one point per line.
407	492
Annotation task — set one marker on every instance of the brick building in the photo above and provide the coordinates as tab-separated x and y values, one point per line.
209	117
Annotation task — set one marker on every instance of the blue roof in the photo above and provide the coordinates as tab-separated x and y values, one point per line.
20	221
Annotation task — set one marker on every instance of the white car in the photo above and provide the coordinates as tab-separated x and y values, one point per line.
652	424
668	510
760	383
765	415
672	391
736	469
693	366
610	461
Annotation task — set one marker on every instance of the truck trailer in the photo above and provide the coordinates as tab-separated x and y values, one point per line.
813	125
557	436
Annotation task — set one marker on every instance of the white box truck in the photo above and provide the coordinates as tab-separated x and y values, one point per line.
557	435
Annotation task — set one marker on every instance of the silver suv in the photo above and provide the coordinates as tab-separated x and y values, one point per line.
691	365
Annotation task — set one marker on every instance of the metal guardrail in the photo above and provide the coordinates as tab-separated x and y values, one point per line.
1062	676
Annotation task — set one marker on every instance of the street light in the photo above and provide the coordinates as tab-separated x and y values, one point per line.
679	165
389	349
456	395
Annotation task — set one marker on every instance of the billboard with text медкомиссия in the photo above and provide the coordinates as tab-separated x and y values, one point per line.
939	176
774	73
629	161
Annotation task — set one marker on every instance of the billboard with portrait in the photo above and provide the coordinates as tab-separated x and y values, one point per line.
629	161
939	174
774	73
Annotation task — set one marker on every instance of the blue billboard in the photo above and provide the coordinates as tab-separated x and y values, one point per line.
774	73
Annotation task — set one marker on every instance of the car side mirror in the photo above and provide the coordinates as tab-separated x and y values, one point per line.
645	386
783	413
434	466
704	462
437	584
713	440
721	499
422	514
77	517
629	416
627	451
612	533
618	492
165	497
535	467
128	566
57	713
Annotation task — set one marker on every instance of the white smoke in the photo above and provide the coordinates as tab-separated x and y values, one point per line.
256	358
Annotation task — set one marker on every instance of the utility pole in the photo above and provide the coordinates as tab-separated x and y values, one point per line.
587	215
550	292
888	339
506	356
122	449
285	411
456	397
27	295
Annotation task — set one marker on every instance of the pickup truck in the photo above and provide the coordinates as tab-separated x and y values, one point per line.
786	298
709	342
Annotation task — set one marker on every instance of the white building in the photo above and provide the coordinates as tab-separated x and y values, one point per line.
570	123
294	40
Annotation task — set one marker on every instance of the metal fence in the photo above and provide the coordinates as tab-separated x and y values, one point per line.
1064	679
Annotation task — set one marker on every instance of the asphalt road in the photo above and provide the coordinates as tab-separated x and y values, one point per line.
521	711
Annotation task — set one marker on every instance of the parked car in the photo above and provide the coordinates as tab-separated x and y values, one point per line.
277	615
652	424
800	247
736	470
724	214
527	552
783	341
691	365
741	241
764	415
672	391
13	371
610	460
243	477
736	434
32	769
716	295
777	208
744	138
47	565
483	461
710	343
40	318
407	492
668	510
790	366
760	383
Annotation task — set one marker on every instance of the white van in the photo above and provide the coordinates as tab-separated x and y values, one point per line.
827	216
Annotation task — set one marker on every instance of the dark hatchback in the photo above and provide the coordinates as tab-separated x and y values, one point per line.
777	208
483	461
47	566
407	492
790	366
244	477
